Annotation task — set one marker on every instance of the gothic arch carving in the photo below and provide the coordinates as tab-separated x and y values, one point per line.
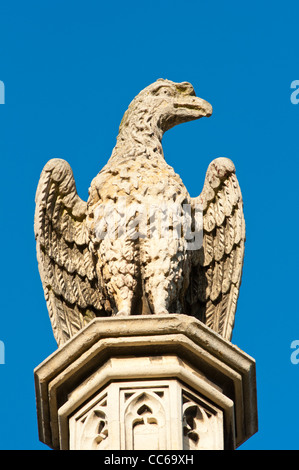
199	425
94	433
145	424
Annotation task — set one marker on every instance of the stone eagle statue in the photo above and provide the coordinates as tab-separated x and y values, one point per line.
88	270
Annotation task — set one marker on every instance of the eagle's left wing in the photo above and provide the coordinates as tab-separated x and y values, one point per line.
217	267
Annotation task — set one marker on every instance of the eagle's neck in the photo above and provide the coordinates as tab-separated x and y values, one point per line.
139	136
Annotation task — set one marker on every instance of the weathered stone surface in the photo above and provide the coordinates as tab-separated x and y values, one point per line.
112	255
147	415
122	382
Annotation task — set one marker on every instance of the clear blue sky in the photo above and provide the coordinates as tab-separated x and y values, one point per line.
70	70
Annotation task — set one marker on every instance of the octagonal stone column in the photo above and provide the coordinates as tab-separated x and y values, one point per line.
146	382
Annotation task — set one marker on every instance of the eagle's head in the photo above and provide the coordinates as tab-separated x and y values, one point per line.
168	103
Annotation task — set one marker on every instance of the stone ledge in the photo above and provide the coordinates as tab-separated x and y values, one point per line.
205	357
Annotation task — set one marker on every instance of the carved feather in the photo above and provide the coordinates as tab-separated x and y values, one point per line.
218	272
66	265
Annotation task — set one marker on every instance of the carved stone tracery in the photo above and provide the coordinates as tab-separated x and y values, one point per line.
92	427
144	419
200	426
95	430
145	415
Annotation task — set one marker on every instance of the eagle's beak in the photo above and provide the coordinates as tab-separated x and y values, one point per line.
193	107
185	106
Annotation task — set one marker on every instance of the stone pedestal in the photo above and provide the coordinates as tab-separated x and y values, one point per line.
146	382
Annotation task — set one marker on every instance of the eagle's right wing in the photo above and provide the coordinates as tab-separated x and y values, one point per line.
65	260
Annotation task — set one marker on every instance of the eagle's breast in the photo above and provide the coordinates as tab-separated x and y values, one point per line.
133	188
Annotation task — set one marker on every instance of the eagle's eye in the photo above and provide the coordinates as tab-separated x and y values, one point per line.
163	91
